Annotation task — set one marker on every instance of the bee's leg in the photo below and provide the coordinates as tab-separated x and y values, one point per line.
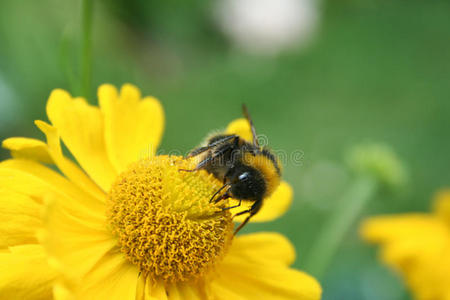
252	211
186	170
234	206
217	192
200	150
223	197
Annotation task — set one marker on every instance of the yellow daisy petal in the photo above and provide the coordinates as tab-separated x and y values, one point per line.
406	238
241	127
269	246
25	274
273	207
76	242
66	166
61	292
20	217
256	268
174	293
417	246
181	291
140	288
112	278
81	128
148	290
389	228
133	128
27	148
154	291
403	253
430	279
220	291
258	280
442	205
37	181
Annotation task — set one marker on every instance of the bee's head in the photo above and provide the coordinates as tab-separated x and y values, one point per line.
246	182
267	166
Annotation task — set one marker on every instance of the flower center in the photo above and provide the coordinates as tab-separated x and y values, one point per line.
163	219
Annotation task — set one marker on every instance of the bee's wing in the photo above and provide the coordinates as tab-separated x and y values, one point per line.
200	150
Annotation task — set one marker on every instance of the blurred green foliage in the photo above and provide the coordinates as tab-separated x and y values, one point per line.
377	71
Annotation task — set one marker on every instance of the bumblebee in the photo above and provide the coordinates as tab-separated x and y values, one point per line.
249	172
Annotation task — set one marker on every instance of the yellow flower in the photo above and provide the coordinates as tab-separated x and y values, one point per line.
128	224
417	245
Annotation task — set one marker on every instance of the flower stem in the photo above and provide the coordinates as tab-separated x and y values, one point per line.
347	211
86	47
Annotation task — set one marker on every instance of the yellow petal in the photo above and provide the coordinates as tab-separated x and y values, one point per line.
81	128
61	292
408	226
113	278
37	181
174	293
75	242
181	291
66	166
148	290
273	207
417	246
259	279
241	127
27	148
429	278
20	217
264	245
256	268
219	291
133	127
25	274
140	288
406	252
442	205
155	291
407	239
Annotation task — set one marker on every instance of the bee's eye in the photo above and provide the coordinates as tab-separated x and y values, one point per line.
243	176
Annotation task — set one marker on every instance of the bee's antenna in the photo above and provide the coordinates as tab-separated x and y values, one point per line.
252	127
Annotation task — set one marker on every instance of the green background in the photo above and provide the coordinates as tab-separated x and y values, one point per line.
377	71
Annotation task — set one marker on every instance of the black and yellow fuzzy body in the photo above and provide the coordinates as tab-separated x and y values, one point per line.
250	173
